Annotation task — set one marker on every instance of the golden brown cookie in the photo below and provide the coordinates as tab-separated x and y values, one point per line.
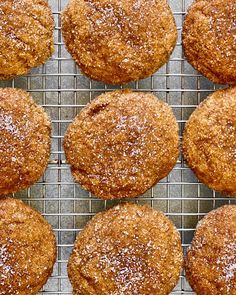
211	259
127	250
122	143
209	39
27	249
209	141
25	141
26	36
119	41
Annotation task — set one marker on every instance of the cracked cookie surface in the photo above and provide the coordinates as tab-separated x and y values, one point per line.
25	132
122	144
209	34
27	249
209	141
119	41
26	36
211	258
127	250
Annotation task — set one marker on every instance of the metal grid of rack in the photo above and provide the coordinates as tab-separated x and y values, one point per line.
62	90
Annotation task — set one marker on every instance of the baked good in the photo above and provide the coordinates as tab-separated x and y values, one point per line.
119	41
26	36
211	259
27	249
209	39
122	143
25	131
209	141
128	250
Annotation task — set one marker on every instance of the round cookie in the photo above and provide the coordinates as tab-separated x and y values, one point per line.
129	250
209	141
211	259
26	36
119	41
209	39
25	143
122	143
27	249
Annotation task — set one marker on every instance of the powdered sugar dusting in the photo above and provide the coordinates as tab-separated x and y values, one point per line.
129	268
4	257
7	124
13	130
230	271
7	271
226	264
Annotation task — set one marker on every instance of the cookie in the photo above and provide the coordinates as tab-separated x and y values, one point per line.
209	39
26	36
211	259
122	143
119	41
25	141
209	141
128	250
27	249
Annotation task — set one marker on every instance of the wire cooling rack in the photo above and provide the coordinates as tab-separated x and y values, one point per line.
62	90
